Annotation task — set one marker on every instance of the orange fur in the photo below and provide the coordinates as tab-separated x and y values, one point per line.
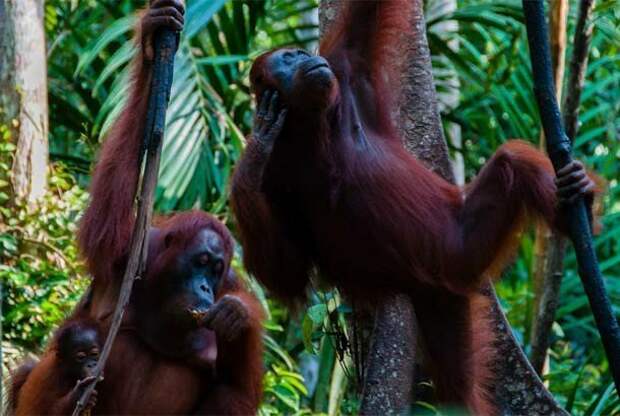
31	400
243	359
483	355
18	377
339	193
139	379
45	387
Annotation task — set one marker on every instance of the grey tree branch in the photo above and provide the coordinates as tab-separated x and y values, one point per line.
418	116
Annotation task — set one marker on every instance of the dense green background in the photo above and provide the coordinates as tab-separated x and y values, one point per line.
210	113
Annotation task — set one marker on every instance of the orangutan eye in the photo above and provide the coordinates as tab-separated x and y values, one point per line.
203	259
219	267
288	57
80	355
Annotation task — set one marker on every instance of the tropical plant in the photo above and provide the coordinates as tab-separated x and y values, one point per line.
40	273
89	48
489	55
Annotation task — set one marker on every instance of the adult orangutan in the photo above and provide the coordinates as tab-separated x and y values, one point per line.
325	183
190	342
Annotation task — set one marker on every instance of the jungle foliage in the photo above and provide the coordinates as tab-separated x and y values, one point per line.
484	63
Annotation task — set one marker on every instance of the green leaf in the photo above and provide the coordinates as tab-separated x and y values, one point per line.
112	34
199	14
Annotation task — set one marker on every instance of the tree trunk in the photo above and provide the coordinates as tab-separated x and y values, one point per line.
388	384
418	114
449	98
23	94
389	376
516	388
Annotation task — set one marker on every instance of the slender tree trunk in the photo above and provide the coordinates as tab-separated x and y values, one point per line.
23	93
577	68
23	101
389	376
337	388
549	246
549	265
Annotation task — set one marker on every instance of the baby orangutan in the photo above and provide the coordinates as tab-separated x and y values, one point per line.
55	384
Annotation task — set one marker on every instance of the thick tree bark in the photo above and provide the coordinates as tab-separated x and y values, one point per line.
418	111
516	390
23	93
388	385
449	98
